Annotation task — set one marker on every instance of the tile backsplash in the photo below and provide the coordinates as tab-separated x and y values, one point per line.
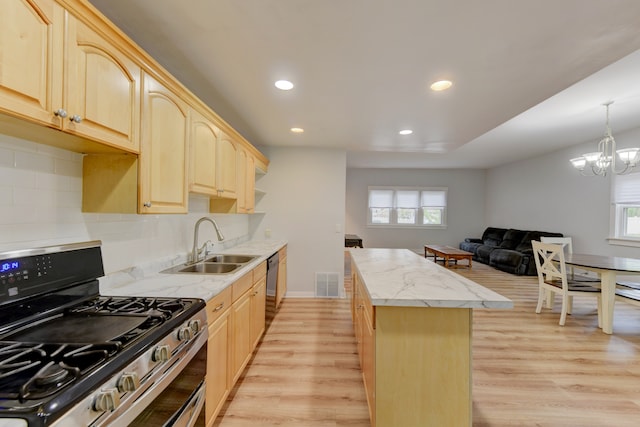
42	205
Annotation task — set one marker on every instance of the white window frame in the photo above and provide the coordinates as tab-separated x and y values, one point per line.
625	194
419	210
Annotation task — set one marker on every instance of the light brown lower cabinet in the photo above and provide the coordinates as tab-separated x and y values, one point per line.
415	361
218	384
240	329
258	303
236	324
281	285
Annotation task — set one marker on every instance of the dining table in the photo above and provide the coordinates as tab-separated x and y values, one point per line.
608	268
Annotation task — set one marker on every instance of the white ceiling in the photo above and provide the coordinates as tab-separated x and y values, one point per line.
529	76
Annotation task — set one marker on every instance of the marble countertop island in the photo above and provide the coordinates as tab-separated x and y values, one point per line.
146	280
400	277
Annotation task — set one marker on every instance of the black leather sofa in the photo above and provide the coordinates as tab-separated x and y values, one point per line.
506	249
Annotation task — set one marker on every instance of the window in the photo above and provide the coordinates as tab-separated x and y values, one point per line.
626	207
407	207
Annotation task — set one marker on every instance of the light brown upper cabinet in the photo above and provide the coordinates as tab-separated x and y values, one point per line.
66	77
203	144
163	155
241	171
250	184
31	60
153	182
102	89
226	167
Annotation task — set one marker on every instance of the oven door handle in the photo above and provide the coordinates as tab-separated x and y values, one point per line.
188	414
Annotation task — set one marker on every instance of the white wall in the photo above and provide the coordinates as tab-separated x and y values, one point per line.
547	193
465	206
41	205
305	205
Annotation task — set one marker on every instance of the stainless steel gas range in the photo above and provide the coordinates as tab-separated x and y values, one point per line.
71	357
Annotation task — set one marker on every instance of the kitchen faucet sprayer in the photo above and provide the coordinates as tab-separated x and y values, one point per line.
195	252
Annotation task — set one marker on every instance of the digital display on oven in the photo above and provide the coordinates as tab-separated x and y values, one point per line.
9	266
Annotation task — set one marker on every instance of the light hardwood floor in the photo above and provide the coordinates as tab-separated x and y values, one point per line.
527	370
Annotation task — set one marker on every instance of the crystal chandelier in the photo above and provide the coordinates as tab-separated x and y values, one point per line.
603	161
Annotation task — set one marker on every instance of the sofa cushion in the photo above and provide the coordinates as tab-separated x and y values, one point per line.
512	238
505	257
483	252
507	260
493	236
470	247
525	244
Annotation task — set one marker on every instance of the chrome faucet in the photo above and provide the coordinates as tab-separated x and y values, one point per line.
195	252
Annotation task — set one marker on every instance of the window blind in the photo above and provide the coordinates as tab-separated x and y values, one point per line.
434	199
407	199
381	198
626	189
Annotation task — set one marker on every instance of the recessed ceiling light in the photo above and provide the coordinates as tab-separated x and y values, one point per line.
284	85
406	132
441	85
297	130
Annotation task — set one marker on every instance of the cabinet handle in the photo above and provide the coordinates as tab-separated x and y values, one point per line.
75	118
255	293
60	113
147	204
218	308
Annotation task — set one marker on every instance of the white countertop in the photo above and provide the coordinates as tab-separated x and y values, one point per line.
147	281
400	277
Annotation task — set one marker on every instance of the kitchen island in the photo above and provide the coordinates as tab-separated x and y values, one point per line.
413	324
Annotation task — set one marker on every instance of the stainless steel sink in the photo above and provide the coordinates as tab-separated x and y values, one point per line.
232	259
210	268
203	268
216	264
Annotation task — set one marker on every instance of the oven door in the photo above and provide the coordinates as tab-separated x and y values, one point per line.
181	402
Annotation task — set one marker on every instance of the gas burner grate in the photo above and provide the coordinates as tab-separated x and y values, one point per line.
166	307
34	371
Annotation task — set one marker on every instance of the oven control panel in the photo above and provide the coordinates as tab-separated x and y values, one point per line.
23	276
14	272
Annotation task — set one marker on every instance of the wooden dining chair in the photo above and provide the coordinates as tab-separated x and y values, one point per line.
553	279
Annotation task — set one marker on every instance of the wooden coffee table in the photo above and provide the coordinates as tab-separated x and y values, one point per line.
448	254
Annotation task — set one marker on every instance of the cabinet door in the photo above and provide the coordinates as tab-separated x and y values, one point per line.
258	300
368	363
217	364
250	185
226	167
102	89
281	284
31	60
163	151
241	327
202	173
241	180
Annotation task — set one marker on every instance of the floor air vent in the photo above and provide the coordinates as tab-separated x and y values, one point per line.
327	285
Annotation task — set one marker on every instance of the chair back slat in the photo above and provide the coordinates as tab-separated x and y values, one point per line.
566	242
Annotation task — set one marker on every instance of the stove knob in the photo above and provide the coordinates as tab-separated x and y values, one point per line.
161	353
107	400
185	333
129	381
195	326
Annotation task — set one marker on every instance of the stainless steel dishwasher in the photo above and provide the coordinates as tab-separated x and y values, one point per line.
272	282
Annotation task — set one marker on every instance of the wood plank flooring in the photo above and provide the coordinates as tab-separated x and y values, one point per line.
527	370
